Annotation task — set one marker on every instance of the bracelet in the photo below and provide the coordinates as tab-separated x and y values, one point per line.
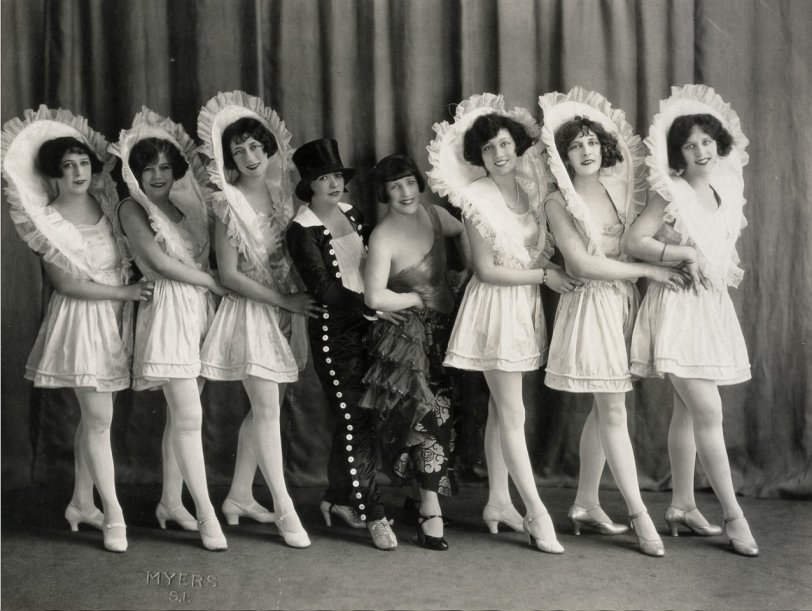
662	254
544	276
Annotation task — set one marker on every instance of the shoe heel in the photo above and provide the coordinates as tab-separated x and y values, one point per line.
673	528
162	523
232	519
325	511
74	526
576	527
493	526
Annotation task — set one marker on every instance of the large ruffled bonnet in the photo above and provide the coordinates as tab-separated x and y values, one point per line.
29	194
625	181
453	177
228	202
688	100
188	193
726	179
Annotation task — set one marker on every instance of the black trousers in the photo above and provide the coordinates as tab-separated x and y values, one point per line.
340	359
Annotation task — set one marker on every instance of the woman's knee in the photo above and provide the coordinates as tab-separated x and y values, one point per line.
611	411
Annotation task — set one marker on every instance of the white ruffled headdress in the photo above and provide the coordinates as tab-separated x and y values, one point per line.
42	228
229	203
188	193
625	181
726	179
453	177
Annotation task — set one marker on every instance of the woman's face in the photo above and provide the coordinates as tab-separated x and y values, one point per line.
699	152
499	154
328	188
250	157
584	154
404	194
157	178
76	174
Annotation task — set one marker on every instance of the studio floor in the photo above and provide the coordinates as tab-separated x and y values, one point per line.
45	566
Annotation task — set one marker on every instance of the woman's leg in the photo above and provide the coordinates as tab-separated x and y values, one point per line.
506	391
430	506
617	445
82	497
682	454
498	490
184	423
704	404
592	460
97	415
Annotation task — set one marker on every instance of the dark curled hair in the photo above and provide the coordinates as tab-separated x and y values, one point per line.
148	150
50	154
487	127
394	167
680	131
581	126
242	129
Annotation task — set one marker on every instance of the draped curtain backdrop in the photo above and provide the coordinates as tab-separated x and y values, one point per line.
375	75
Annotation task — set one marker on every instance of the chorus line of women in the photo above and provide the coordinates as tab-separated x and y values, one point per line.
375	306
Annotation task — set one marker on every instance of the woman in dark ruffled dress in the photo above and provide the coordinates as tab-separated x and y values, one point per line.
408	385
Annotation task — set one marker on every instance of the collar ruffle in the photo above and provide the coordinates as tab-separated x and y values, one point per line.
42	228
452	177
307	218
228	202
727	178
625	182
188	193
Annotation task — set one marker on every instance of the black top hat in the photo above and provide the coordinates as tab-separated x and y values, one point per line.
317	158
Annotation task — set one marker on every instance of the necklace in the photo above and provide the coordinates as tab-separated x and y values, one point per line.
516	203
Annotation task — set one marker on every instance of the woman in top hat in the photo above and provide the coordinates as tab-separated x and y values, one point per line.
327	241
259	336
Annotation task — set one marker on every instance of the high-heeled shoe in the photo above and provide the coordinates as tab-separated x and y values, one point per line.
743	548
650	547
233	511
507	515
382	534
179	515
115	537
211	534
438	544
345	512
690	519
550	547
579	516
291	530
76	516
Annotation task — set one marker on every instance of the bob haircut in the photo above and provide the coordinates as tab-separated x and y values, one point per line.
581	126
242	129
487	127
148	150
680	131
50	154
394	167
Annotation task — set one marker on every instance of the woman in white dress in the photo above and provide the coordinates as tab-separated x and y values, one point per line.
165	223
693	218
62	199
598	163
487	165
259	336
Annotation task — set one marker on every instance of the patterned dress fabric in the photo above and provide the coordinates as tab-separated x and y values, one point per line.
410	389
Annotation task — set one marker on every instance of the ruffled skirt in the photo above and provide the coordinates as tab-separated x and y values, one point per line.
249	338
413	395
589	349
498	327
82	343
169	332
689	335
